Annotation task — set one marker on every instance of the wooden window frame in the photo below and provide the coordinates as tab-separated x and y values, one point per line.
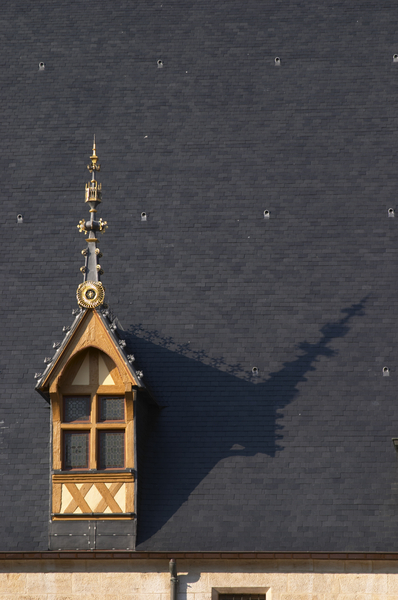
94	391
92	427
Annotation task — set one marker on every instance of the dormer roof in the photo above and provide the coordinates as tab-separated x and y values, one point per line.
97	329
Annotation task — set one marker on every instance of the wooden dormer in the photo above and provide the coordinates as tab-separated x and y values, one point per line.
92	389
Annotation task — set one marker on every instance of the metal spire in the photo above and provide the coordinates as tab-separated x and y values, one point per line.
90	293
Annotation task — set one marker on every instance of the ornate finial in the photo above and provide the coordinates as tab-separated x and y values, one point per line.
94	159
91	292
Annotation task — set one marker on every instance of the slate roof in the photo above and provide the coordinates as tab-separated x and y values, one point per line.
300	456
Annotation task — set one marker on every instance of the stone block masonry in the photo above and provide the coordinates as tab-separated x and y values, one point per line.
126	579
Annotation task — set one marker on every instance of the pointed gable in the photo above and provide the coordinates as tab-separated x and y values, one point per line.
91	329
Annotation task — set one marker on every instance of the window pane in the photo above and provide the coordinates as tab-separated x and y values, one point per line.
111	408
76	408
111	449
76	449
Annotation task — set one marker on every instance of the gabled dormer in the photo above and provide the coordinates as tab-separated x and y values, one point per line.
94	393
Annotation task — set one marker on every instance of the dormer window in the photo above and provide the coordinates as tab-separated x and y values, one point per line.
94	416
93	389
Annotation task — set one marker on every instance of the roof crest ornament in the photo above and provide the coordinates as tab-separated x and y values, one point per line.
91	292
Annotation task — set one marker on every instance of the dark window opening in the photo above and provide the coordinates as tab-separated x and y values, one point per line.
76	409
111	408
76	444
111	449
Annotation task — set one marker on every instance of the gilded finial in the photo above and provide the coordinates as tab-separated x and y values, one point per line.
94	159
91	292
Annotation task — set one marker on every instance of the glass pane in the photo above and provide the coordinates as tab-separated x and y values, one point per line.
111	449
76	449
76	408
111	408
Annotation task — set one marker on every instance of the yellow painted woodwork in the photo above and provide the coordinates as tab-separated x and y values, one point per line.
103	477
100	497
93	497
91	517
120	496
78	498
129	448
66	499
57	455
130	501
56	429
86	426
91	333
87	493
57	491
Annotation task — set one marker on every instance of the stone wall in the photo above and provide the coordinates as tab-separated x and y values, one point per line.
198	580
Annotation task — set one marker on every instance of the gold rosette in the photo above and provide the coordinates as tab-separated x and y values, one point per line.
90	294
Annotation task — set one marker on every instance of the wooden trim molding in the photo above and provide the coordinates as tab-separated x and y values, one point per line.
104	477
93	517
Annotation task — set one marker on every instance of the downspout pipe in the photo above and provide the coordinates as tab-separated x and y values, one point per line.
173	579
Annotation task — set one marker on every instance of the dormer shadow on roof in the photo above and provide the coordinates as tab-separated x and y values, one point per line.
95	395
